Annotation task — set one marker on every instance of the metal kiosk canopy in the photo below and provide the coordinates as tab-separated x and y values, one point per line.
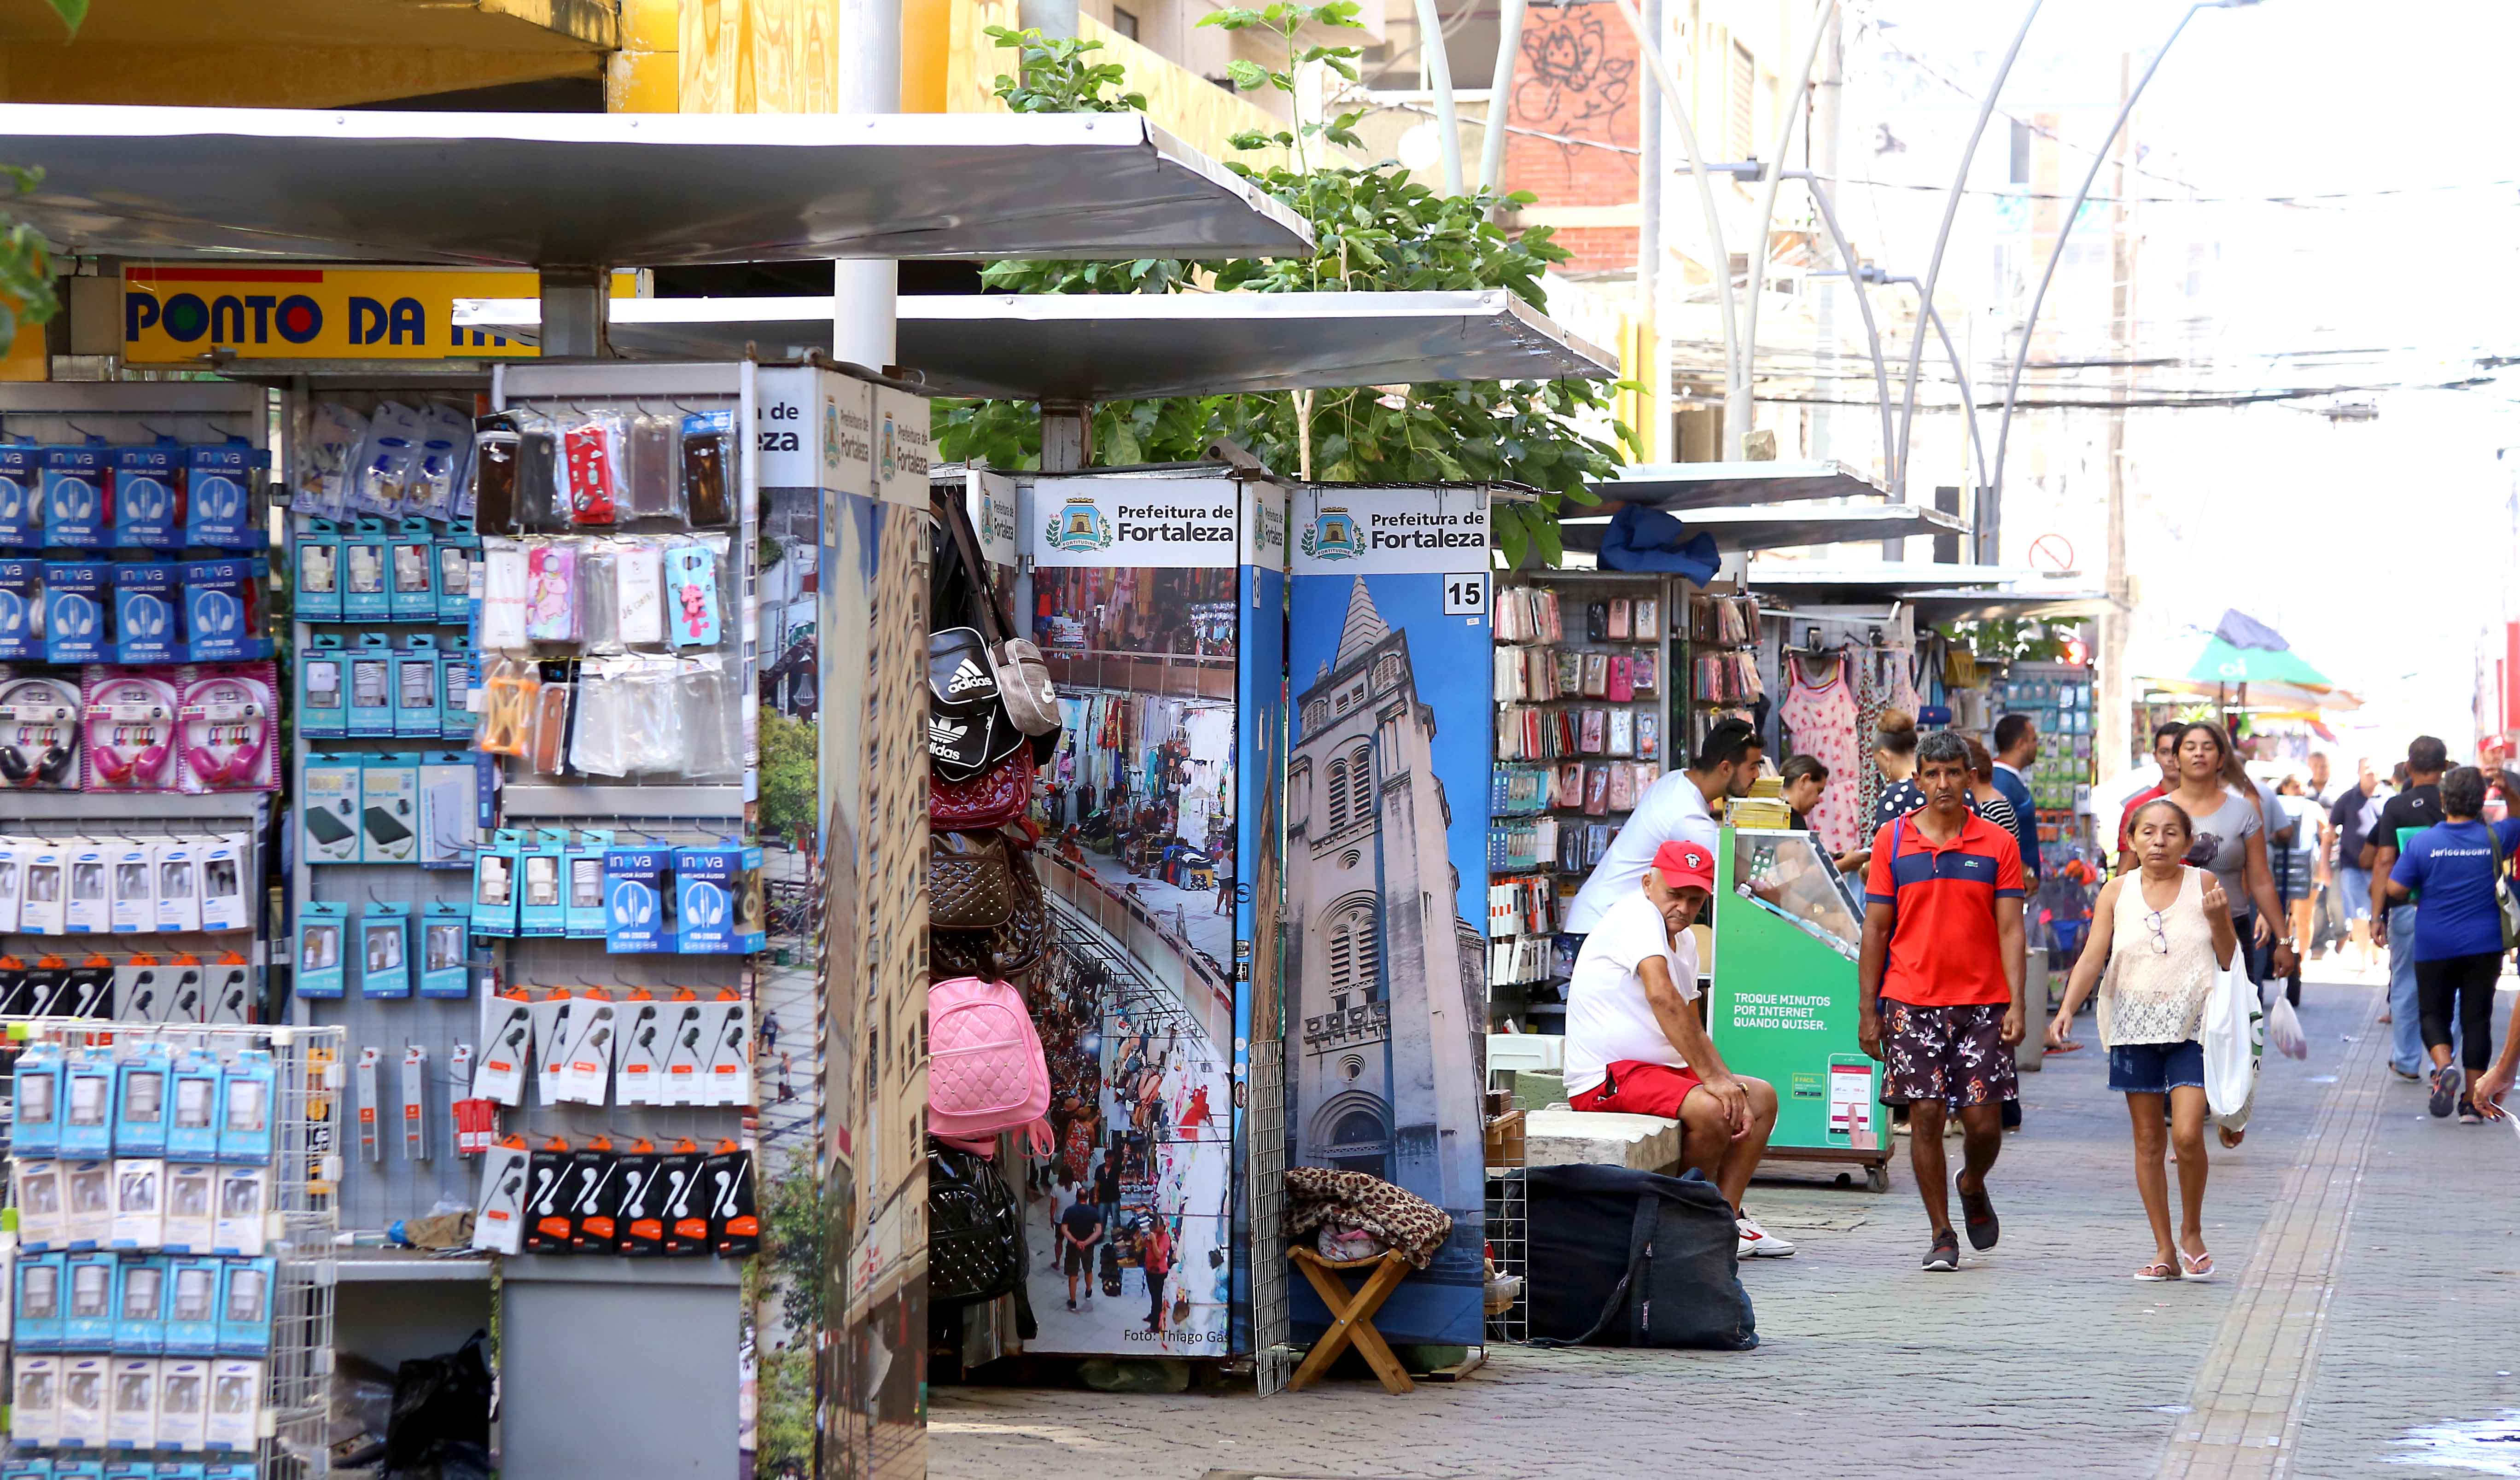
626	189
1125	347
1678	487
1785	527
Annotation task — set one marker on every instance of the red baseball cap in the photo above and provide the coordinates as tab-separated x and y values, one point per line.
1684	864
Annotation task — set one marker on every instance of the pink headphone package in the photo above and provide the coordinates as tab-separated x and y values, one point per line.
226	722
130	728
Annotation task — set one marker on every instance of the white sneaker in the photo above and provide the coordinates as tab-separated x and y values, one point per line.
1758	1244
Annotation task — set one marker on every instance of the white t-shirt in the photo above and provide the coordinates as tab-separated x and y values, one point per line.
1671	810
1609	1019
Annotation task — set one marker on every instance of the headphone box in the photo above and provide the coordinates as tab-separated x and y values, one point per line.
717	893
223	884
21	492
179	885
415	688
321	926
332	792
411	576
79	489
635	918
365	549
43	871
494	885
149	497
445	951
148	612
385	949
372	693
390	808
77	619
223	608
222	505
323	711
318	595
22	593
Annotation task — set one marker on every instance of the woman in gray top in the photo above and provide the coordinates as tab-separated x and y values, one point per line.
2230	838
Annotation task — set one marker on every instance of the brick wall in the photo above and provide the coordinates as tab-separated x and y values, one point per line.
1578	76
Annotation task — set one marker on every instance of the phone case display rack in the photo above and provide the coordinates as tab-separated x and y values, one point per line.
1722	675
1583	663
170	1271
498	810
2059	696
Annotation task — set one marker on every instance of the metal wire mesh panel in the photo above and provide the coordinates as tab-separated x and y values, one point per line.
1509	1311
1272	1361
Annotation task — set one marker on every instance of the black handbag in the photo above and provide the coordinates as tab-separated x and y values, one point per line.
1626	1258
974	1230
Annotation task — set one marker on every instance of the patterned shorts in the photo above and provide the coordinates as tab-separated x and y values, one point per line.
1954	1055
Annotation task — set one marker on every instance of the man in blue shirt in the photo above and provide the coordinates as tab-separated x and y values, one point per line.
2017	751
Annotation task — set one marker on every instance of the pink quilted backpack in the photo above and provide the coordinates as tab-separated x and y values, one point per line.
986	1072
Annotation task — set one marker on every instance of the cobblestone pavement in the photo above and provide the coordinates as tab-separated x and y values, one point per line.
2371	1282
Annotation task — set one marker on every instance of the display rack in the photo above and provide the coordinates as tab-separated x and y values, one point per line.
2059	696
1723	670
1584	663
297	1233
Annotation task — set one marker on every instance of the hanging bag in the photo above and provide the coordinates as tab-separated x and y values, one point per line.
970	880
991	800
986	1072
2234	1035
1017	672
974	1230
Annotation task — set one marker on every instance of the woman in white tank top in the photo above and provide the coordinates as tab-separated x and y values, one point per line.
2160	938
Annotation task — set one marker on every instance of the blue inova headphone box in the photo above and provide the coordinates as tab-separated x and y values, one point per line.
146	491
22	595
74	487
21	493
75	628
148	612
709	892
220	511
634	912
219	599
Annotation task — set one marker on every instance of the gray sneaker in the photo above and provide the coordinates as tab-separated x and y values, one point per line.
2447	1083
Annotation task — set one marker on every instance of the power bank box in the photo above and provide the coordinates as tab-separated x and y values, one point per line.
192	1131
334	794
542	908
191	1305
224	876
385	949
318	570
371	706
390	808
494	885
179	885
140	1306
366	551
582	883
445	951
635	918
192	1207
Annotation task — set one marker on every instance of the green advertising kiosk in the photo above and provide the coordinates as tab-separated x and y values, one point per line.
1787	935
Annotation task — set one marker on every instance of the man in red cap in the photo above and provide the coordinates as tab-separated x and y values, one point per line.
1634	1044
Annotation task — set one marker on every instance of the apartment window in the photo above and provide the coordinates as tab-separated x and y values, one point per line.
1743	86
1125	22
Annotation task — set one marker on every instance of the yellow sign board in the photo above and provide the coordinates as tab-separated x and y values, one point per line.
175	315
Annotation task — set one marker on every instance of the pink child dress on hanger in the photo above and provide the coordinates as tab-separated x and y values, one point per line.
1822	718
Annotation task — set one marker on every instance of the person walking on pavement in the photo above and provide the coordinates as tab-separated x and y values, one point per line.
2349	817
2455	866
770	1032
2160	939
1894	755
2304	869
1080	1229
1939	984
2017	751
1156	1260
2231	840
2396	924
2165	756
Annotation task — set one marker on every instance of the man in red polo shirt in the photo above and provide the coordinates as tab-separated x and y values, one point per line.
2165	755
1940	984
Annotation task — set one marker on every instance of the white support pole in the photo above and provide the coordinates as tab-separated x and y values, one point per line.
1735	395
1943	237
864	292
1775	171
1501	98
1439	76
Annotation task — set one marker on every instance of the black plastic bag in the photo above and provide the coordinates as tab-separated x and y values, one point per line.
441	1429
1627	1258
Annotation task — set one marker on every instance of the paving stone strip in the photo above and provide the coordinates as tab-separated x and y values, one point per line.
2249	1391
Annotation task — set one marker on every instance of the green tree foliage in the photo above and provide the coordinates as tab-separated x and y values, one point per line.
1376	229
26	295
788	773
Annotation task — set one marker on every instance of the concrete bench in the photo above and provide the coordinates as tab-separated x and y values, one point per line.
1558	1136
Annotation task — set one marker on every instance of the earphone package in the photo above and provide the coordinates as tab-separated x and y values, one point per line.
223	608
506	1049
43	891
318	475
323	692
223	503
88	911
442	472
140	988
22	609
381	478
224	880
231	985
227	717
149	496
131	729
11	896
411	576
318	594
131	887
41	720
79	611
321	926
147	617
179	885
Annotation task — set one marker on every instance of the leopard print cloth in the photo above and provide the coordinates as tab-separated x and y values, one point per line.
1401	1219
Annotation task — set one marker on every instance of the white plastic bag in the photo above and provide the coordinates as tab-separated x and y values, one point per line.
2232	1037
2283	1024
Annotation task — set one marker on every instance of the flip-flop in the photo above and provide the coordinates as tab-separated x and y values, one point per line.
2069	1047
2155	1272
2196	1266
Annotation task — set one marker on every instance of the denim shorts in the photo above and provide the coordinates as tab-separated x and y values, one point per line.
2156	1068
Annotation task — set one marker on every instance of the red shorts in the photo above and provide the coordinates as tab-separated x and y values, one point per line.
1633	1087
